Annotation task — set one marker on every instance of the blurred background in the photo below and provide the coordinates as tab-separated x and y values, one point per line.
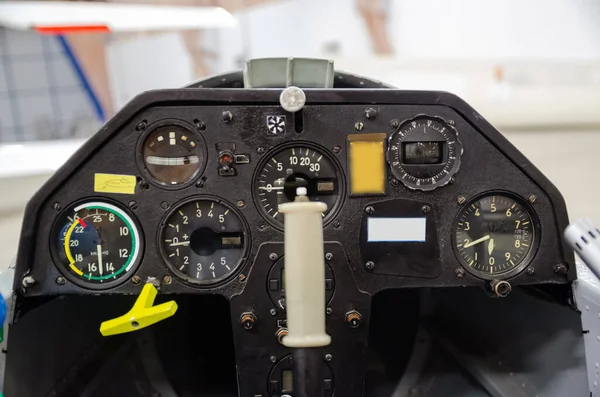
531	67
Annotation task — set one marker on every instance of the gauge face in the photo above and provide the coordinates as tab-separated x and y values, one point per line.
290	167
495	236
96	244
203	241
424	153
173	155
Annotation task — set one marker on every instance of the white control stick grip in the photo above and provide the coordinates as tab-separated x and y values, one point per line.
584	237
304	272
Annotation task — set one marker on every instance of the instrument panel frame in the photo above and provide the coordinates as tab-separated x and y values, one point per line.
42	204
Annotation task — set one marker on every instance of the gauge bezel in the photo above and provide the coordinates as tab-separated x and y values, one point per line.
453	170
279	148
536	236
141	163
190	280
81	282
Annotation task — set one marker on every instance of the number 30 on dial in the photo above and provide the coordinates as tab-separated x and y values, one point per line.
96	244
495	235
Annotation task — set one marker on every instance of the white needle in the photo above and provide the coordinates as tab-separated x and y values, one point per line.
481	240
181	243
99	249
491	247
270	188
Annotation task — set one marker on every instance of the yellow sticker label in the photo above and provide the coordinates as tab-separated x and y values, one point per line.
113	183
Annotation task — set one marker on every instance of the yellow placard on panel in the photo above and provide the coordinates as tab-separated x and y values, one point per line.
367	164
113	183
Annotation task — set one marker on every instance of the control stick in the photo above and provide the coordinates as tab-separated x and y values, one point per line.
305	291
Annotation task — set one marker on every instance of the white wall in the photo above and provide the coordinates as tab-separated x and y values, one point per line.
147	62
447	29
497	29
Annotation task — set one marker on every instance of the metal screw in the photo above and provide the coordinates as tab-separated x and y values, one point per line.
530	271
452	180
273	256
460	273
370	265
370	210
143	184
560	269
451	122
337	149
142	125
461	200
240	203
242	277
260	150
167	280
227	116
328	358
426	209
359	126
57	206
532	198
370	113
135	280
273	312
28	281
164	205
336	224
329	256
395	123
273	359
60	280
395	182
201	182
329	311
133	205
200	125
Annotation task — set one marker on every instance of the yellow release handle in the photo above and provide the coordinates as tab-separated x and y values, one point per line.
141	315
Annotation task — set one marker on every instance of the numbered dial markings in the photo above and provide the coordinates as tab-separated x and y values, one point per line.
494	235
424	153
96	243
287	169
203	241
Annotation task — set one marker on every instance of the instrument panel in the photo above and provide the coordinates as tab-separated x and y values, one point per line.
181	188
196	186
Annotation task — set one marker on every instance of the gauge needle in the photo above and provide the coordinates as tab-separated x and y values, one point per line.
99	249
481	240
270	188
491	247
181	243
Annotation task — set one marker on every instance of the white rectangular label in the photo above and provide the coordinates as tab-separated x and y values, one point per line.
397	229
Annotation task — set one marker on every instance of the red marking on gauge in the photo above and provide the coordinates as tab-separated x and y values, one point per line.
82	223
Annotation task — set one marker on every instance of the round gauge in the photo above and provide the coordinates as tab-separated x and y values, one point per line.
96	244
203	240
424	153
299	165
495	235
173	155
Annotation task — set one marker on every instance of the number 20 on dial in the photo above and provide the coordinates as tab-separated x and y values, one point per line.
97	244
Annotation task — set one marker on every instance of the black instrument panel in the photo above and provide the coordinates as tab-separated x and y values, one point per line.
435	197
327	122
